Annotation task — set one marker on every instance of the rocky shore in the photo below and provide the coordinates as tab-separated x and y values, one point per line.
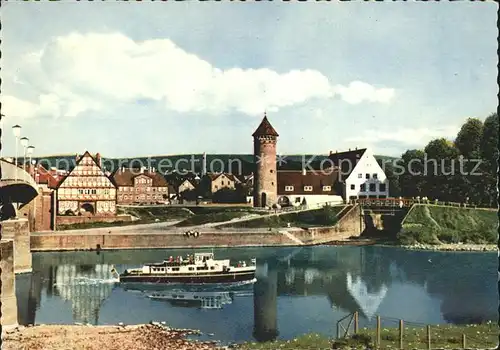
154	336
457	247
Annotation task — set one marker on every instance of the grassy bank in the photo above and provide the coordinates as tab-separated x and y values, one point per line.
429	224
145	215
326	216
442	337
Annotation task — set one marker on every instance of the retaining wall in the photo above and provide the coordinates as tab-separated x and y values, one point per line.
61	241
68	220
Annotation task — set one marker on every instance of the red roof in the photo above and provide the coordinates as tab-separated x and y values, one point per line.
126	177
265	129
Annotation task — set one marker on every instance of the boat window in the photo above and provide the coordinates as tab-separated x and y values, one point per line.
191	268
175	269
212	268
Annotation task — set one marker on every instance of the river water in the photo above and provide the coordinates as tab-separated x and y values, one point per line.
298	290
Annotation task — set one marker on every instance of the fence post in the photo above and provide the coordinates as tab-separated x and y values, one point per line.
355	322
378	331
401	334
463	340
428	337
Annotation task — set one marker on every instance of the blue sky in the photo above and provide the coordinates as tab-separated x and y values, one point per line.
139	79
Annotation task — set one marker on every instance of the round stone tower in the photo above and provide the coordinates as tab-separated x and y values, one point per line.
265	191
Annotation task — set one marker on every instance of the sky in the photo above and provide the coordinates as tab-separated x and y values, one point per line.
159	78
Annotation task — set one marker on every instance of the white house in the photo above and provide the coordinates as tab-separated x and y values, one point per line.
360	174
312	188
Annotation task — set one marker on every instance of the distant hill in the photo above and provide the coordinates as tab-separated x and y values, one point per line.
235	163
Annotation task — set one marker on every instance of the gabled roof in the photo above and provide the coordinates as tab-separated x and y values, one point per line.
78	160
215	176
316	179
347	160
126	177
265	129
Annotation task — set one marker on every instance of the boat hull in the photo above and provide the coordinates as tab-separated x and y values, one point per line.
189	279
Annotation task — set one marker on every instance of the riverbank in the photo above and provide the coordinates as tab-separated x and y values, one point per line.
134	337
458	247
158	336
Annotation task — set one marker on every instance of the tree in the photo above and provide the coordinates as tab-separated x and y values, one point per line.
189	195
410	170
489	139
468	140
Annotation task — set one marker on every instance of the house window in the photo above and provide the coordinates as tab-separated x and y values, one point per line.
288	188
308	188
381	187
362	187
272	183
360	176
327	188
375	176
148	189
353	187
222	183
367	176
372	187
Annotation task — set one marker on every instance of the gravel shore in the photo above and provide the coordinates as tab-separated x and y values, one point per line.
136	337
459	247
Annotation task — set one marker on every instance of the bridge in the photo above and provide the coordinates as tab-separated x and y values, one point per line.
16	186
387	206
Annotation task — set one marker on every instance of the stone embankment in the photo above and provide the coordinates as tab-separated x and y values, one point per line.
458	247
154	336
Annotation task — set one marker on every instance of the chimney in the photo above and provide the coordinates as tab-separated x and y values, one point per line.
331	153
303	171
142	170
76	158
123	168
349	150
356	148
98	159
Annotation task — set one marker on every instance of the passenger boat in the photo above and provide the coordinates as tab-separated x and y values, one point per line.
197	269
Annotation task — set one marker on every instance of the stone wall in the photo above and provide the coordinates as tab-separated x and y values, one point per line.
349	225
18	231
68	220
72	241
44	210
8	286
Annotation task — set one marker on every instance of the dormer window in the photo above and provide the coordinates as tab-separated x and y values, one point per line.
289	188
327	188
308	188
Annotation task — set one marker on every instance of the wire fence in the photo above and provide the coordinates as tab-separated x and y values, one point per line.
383	332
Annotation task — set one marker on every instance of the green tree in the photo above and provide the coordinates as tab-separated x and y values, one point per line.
489	139
468	141
410	171
228	195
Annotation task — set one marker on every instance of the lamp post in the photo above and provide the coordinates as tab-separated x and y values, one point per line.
24	143
29	150
16	129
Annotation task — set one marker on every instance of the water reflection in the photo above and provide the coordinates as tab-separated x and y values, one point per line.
296	290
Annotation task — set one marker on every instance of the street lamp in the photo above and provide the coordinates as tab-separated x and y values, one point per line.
29	151
16	129
24	143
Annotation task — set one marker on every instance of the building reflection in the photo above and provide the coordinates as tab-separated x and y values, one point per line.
83	286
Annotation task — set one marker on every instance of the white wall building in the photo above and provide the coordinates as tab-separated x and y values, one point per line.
361	175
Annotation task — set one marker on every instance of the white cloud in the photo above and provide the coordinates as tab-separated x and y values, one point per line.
407	136
79	72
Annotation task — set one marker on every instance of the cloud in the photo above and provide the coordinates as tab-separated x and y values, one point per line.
97	71
407	136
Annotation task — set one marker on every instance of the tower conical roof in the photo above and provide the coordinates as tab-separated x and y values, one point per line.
265	129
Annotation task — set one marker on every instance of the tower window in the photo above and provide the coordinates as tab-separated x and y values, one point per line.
272	171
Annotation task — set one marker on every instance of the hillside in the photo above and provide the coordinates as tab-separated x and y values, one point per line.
429	224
